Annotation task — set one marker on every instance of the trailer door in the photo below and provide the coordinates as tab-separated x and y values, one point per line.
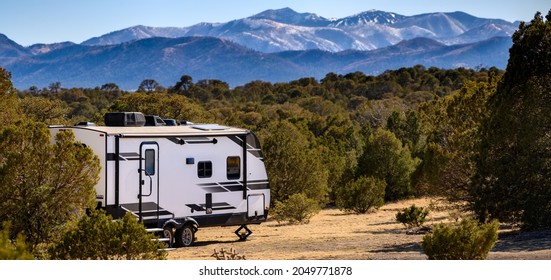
148	192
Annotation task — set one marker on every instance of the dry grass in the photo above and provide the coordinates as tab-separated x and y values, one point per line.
336	235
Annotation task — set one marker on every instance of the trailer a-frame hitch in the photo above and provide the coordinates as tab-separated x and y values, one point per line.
243	235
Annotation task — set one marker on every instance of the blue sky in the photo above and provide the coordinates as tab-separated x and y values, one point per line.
40	21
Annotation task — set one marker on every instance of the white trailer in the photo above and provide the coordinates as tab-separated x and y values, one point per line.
179	178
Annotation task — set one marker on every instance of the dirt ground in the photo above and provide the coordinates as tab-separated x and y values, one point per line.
336	235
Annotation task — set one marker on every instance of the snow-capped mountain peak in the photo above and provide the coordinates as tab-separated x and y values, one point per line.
371	16
135	33
289	16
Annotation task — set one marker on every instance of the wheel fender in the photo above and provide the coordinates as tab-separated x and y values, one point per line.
172	223
186	221
193	222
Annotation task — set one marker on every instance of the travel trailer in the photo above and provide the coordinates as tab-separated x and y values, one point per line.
177	179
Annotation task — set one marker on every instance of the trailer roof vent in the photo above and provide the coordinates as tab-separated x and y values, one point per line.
85	124
151	120
124	119
209	127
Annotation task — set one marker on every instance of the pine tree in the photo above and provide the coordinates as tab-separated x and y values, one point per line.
385	158
9	103
45	185
513	179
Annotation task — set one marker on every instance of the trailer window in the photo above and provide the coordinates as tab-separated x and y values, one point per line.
233	169
204	169
150	162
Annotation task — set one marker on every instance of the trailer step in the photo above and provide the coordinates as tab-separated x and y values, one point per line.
161	239
154	229
158	238
160	217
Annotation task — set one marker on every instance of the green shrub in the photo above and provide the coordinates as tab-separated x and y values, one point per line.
13	250
98	237
464	241
297	209
361	195
412	216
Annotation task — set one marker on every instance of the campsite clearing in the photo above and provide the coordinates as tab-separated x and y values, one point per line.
336	235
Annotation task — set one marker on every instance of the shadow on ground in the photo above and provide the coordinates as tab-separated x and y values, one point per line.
524	242
401	248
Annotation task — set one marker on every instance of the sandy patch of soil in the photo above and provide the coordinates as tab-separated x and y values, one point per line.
336	235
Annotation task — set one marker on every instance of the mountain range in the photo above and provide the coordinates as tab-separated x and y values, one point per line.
275	45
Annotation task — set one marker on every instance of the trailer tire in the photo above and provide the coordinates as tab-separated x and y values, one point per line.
168	232
185	236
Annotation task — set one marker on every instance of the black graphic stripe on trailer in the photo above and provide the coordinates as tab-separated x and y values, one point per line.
192	140
258	185
253	146
123	156
148	209
234	186
215	206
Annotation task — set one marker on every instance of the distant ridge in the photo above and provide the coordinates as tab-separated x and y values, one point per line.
274	46
285	29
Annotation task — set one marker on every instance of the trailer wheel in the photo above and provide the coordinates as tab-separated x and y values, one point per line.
168	232
185	236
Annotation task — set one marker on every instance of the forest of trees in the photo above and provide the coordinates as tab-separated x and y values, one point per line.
480	138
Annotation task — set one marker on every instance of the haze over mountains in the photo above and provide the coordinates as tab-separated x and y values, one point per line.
275	45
